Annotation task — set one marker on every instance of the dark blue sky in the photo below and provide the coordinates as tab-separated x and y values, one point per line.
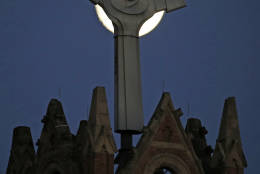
205	52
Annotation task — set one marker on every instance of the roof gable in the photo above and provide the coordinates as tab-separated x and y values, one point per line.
164	136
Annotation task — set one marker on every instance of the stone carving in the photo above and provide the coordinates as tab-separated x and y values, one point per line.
165	147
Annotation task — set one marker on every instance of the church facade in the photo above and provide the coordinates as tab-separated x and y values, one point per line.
165	146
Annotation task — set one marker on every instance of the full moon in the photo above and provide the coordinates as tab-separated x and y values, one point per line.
147	27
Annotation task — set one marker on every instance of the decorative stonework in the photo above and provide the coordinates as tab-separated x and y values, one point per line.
163	139
165	147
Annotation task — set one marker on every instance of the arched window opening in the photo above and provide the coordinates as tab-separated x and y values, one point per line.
164	170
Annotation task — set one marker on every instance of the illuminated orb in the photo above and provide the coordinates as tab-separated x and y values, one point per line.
147	27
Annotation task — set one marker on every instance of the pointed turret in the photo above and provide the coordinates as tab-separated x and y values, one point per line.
84	142
99	115
22	155
102	142
228	155
229	128
83	138
56	146
99	122
55	131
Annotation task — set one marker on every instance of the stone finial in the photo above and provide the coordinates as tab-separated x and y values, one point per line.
166	102
55	130
55	108
83	138
56	116
99	115
99	123
99	141
22	152
229	128
229	152
83	126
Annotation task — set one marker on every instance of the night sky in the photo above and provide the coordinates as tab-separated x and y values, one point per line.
204	53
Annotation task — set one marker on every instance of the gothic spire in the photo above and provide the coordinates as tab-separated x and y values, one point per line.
55	131
99	123
229	151
99	115
22	152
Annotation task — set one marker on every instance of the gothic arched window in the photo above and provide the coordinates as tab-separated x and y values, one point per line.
164	170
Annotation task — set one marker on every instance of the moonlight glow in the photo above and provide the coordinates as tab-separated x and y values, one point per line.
147	27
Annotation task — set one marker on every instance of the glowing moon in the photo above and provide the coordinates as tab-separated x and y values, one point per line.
147	27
